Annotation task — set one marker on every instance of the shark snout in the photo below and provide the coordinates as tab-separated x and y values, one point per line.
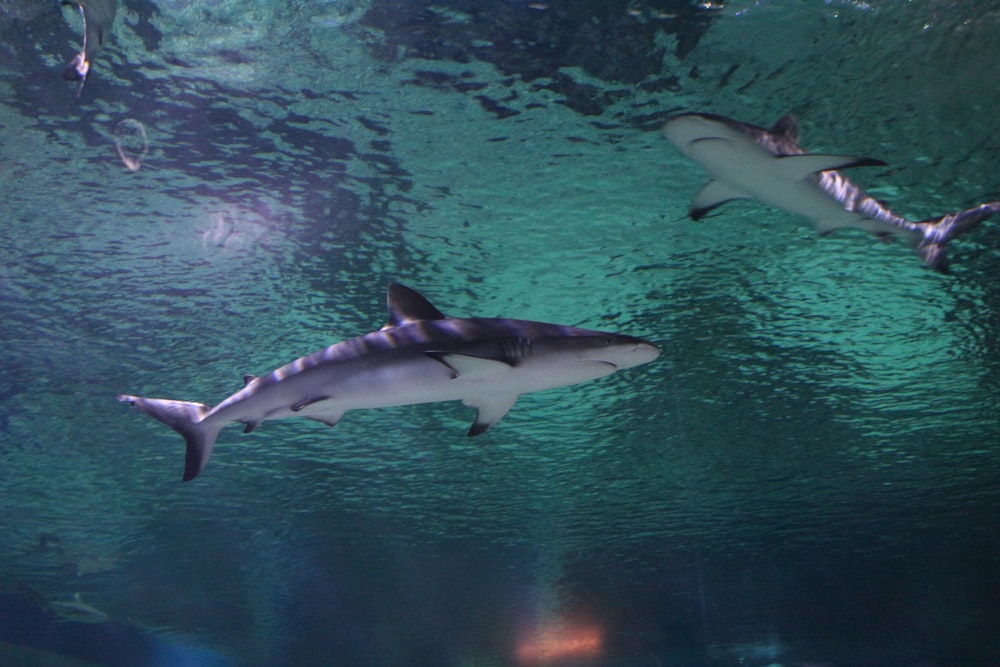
644	352
626	354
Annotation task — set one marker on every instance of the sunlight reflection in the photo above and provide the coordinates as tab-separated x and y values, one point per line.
233	228
559	642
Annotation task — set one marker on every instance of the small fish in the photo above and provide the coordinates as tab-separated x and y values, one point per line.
98	18
419	356
746	161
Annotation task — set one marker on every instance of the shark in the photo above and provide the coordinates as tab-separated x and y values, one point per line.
419	356
74	609
749	162
98	17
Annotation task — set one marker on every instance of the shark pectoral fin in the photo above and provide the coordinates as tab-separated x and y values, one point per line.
306	402
825	227
490	409
326	419
715	194
799	167
472	367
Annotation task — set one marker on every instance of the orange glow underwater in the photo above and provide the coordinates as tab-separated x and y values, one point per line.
551	644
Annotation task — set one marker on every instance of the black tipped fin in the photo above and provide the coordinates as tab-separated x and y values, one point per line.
251	426
490	409
713	195
247	379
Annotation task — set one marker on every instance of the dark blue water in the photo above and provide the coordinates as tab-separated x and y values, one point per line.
809	473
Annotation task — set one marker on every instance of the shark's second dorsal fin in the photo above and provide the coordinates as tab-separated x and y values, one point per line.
787	127
407	305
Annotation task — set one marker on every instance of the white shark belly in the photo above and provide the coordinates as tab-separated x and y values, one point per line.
455	377
752	170
327	391
811	202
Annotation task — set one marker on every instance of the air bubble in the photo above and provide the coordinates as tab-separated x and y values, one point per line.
131	143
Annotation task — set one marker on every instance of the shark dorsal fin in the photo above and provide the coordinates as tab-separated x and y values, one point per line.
407	305
787	127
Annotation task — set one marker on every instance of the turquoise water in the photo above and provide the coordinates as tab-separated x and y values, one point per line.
809	473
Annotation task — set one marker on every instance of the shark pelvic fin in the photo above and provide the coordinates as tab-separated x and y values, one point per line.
713	195
799	167
407	305
490	409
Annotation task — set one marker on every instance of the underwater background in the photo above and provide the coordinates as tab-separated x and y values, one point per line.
808	475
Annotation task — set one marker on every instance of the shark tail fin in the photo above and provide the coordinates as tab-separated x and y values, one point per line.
937	232
186	418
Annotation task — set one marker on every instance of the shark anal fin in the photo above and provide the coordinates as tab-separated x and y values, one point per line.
799	167
251	426
301	405
714	194
490	409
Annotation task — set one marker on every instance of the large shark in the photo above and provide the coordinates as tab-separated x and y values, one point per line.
419	356
746	161
98	17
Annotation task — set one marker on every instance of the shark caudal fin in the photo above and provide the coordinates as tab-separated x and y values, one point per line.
938	231
188	419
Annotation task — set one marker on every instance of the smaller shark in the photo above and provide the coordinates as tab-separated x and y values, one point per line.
74	610
419	356
98	17
746	161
